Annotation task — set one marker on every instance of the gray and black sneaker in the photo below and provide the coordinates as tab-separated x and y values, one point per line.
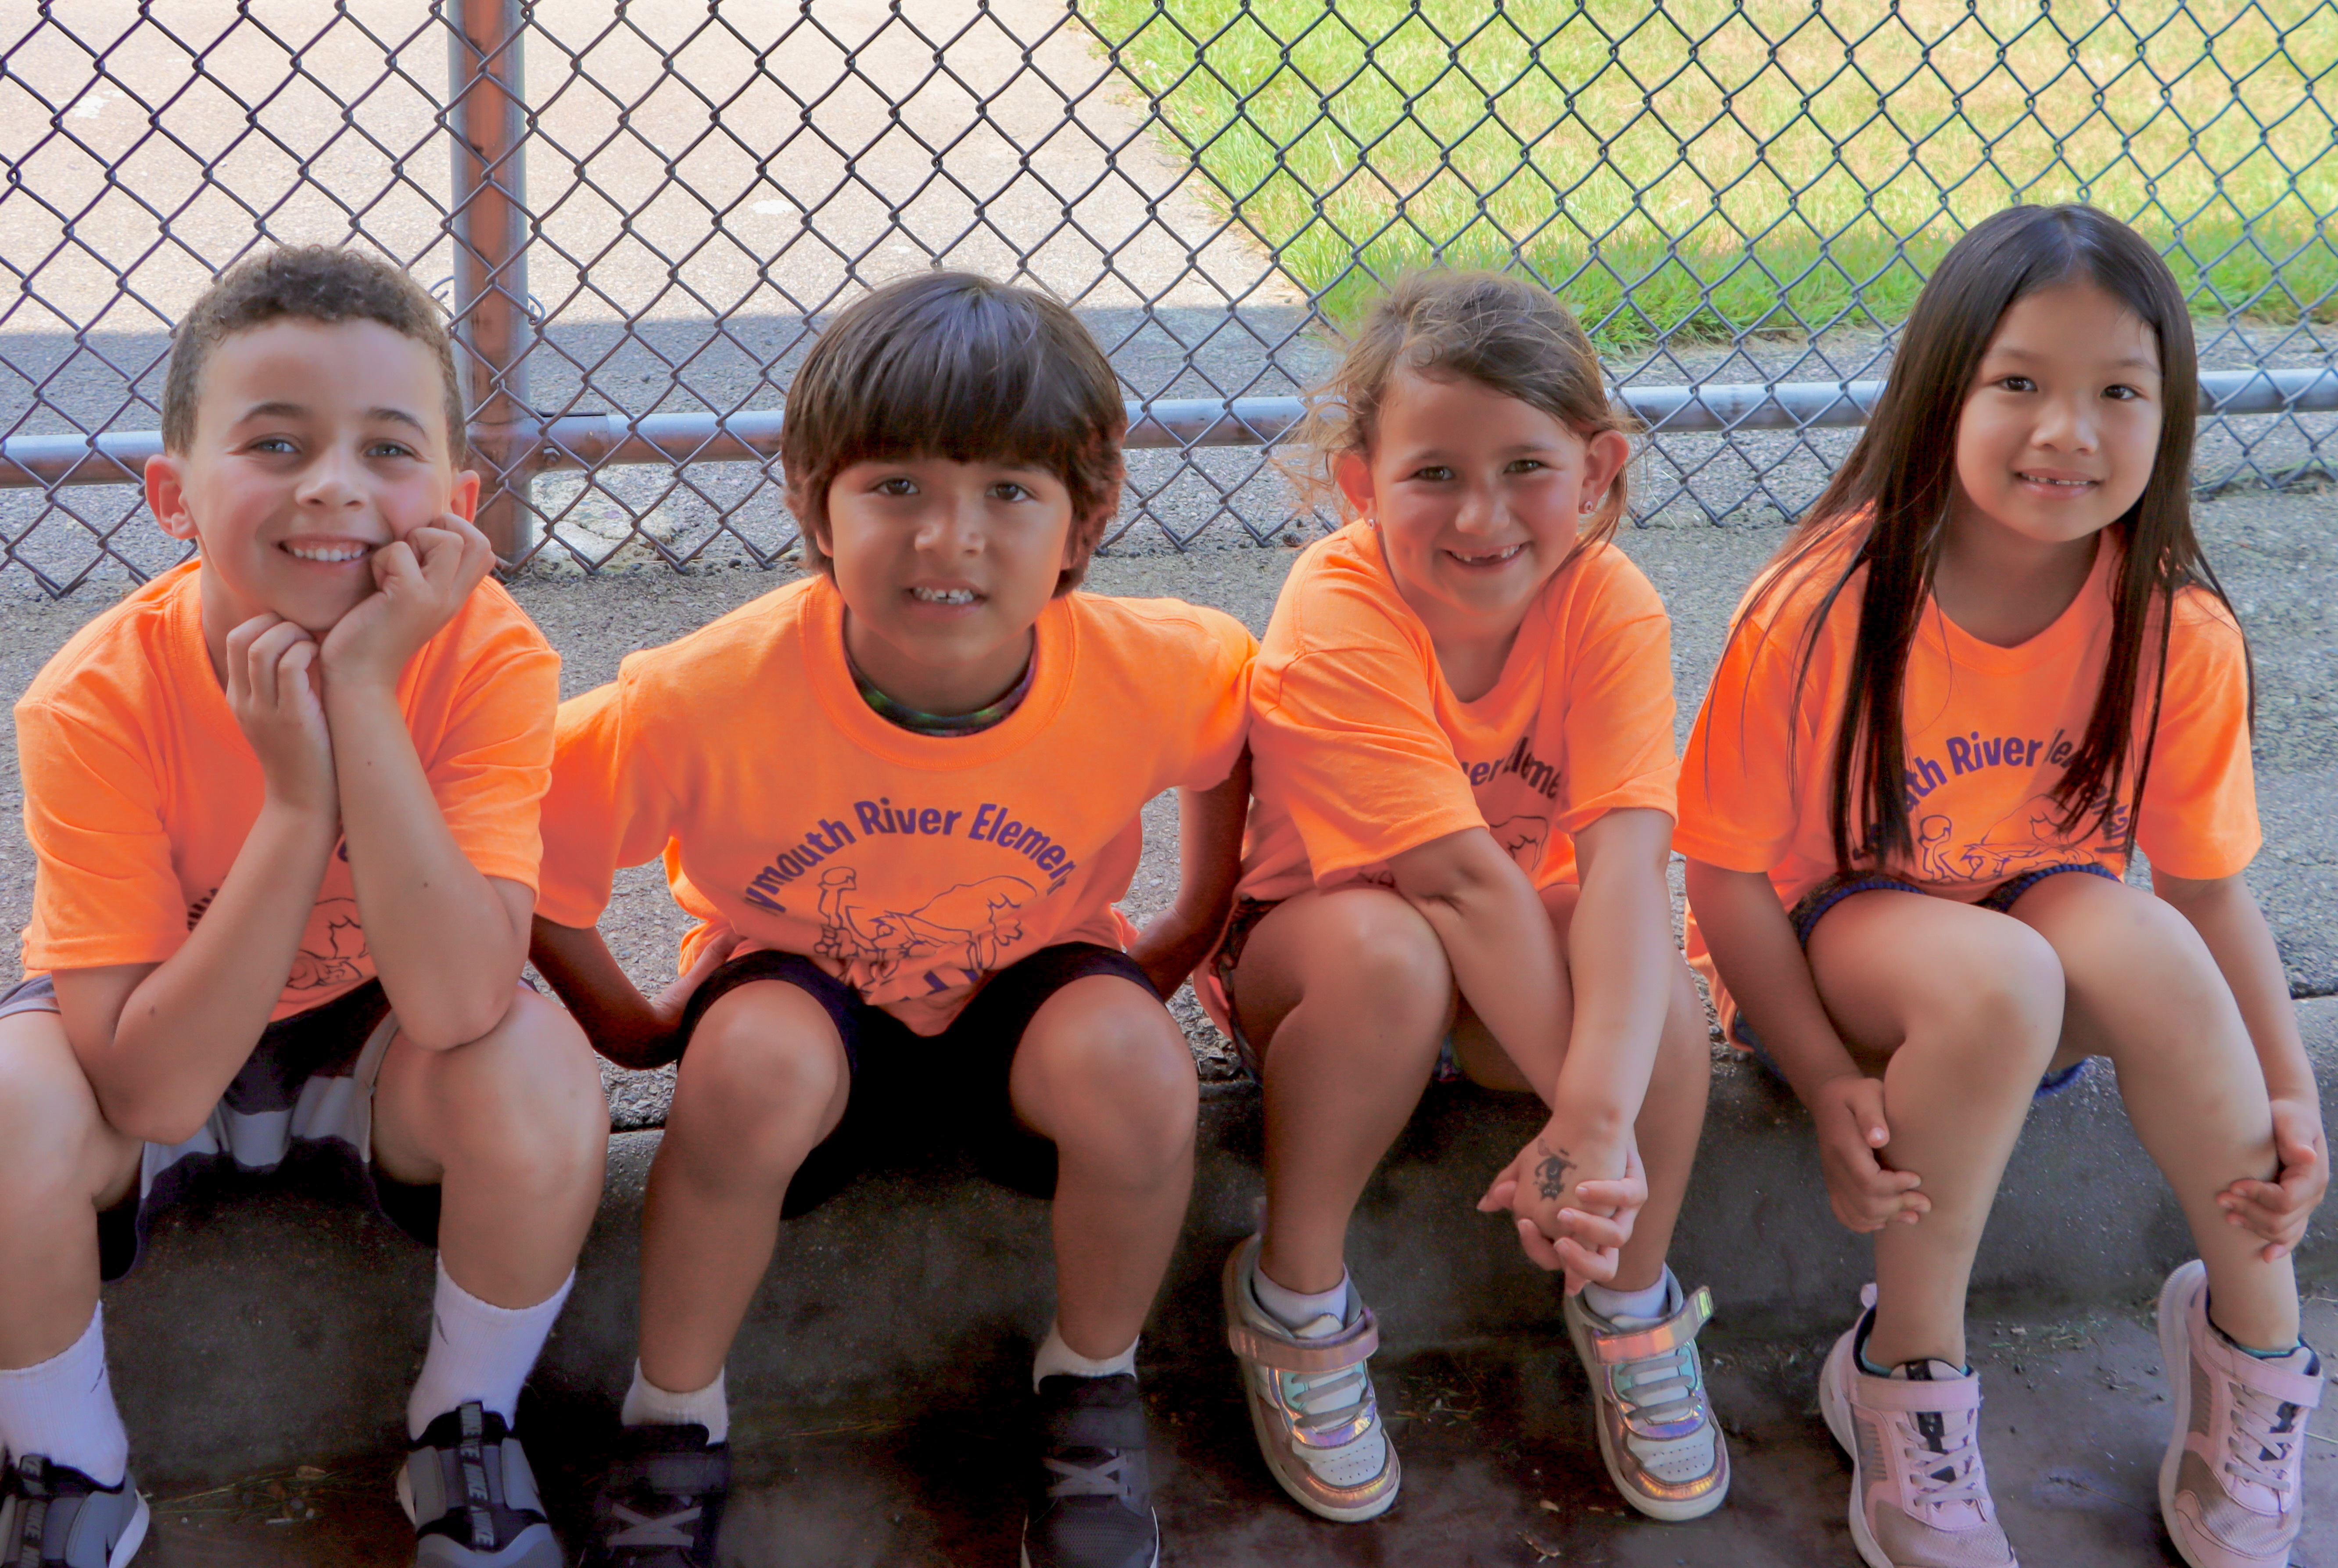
51	1517
468	1488
661	1501
1091	1501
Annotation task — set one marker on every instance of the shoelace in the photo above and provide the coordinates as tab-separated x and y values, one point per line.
665	1530
1106	1479
1949	1474
1326	1399
2264	1436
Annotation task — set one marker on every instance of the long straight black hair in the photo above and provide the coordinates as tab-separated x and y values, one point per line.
1900	481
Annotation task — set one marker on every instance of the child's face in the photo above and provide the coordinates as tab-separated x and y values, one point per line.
1478	495
315	445
2058	435
946	565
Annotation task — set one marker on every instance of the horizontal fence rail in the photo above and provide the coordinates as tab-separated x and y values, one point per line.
639	216
594	441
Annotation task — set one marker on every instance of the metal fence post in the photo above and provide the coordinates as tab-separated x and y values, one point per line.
488	221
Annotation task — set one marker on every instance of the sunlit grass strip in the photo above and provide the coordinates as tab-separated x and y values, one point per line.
1710	169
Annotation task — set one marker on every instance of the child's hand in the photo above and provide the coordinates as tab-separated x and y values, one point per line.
419	582
670	1004
1574	1206
1867	1194
2277	1210
270	689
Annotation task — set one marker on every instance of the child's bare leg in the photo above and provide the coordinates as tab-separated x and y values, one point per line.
1103	1073
514	1129
1347	996
765	1079
2144	991
1966	1004
60	1164
1672	1113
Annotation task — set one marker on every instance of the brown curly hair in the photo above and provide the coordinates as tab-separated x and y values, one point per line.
1501	332
326	283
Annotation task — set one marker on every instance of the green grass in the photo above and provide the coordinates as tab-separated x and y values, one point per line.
1710	169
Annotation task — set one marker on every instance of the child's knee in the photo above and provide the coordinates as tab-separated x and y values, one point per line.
761	1072
527	1094
2128	944
51	1132
1106	1069
1379	954
2003	991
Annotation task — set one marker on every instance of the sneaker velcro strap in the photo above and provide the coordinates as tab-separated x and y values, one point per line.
1096	1426
1915	1396
1306	1357
470	1480
1658	1339
2260	1376
680	1472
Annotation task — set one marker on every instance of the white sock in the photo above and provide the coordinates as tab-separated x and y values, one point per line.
1627	1309
1058	1359
1295	1309
479	1351
647	1405
62	1410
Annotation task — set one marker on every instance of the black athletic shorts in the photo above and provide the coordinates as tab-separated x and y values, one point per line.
944	1092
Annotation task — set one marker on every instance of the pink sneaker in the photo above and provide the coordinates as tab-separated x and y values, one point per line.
2230	1486
1918	1495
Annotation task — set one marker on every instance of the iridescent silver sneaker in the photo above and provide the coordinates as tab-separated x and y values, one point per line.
1311	1400
1658	1434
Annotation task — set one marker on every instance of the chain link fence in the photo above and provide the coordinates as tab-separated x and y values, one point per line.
638	215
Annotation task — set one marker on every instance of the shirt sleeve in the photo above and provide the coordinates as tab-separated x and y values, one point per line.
2199	812
608	805
494	762
1619	710
1348	742
1221	725
1738	795
105	888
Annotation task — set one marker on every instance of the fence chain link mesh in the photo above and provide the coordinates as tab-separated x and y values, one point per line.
638	215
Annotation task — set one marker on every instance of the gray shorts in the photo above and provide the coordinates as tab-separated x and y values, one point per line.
299	1112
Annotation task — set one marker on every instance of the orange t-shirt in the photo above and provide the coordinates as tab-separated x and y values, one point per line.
1363	750
910	865
1989	731
140	788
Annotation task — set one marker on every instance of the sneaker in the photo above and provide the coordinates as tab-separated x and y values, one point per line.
1091	1503
2229	1485
1663	1448
1918	1495
51	1517
1312	1408
660	1503
468	1488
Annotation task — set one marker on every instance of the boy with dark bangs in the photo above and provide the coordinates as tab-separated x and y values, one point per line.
284	801
901	797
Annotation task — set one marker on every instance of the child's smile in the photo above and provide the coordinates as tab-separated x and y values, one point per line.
315	445
1479	497
944	567
2058	435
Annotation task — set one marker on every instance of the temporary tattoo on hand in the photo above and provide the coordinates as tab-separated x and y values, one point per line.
1550	1171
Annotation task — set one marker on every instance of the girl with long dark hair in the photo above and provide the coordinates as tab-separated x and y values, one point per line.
1992	663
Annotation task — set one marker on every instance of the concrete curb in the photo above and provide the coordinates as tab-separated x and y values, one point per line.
270	1329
